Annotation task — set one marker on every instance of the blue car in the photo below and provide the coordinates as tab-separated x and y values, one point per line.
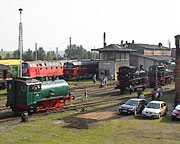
133	106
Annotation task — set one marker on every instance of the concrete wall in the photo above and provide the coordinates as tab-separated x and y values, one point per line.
108	68
145	62
137	61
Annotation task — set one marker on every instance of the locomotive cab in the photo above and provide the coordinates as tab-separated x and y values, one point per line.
23	92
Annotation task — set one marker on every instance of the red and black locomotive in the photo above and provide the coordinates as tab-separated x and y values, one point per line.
164	75
75	70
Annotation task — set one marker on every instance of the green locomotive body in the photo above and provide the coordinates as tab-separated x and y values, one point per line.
28	94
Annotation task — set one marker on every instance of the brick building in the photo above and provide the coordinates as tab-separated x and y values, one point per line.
147	54
112	57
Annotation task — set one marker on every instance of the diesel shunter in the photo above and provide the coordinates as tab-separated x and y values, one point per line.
32	95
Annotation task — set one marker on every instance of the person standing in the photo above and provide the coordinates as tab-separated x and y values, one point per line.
94	79
153	94
105	80
85	95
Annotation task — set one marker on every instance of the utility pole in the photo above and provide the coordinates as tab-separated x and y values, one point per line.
156	75
20	44
177	71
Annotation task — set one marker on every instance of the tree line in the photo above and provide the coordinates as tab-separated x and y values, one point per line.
74	52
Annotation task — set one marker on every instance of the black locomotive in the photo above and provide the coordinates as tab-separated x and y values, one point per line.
160	74
130	78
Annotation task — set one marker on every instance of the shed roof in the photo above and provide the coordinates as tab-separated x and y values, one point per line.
148	46
154	57
114	48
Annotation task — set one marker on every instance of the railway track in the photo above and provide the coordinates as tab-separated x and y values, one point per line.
97	96
115	99
78	93
76	106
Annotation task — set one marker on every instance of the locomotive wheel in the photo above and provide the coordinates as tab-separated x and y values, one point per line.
122	91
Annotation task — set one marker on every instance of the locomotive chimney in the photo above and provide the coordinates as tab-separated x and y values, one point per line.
177	71
104	39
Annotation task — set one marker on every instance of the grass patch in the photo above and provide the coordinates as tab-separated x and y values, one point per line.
80	82
4	91
114	131
119	130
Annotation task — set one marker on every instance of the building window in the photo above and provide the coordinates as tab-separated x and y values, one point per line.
118	57
126	56
122	56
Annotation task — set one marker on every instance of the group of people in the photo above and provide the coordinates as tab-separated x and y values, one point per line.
103	80
156	94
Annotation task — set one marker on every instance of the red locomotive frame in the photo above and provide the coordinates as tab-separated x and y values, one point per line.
80	69
45	69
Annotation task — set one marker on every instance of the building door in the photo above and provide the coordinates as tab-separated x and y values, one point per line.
107	73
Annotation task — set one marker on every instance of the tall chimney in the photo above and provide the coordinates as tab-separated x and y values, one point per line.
104	39
121	42
177	71
70	42
36	57
56	53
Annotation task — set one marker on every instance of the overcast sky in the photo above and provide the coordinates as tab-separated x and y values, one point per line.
50	23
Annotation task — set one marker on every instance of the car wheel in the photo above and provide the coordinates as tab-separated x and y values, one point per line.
166	112
173	118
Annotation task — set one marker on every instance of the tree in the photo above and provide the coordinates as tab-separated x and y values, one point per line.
28	55
76	52
51	55
16	54
8	56
41	54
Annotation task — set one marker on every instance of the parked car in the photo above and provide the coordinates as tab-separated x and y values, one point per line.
155	109
176	112
133	106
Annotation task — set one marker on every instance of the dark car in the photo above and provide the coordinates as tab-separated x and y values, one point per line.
176	112
133	106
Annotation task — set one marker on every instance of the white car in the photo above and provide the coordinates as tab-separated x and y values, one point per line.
155	109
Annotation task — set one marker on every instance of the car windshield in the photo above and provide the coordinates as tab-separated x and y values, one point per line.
132	102
153	105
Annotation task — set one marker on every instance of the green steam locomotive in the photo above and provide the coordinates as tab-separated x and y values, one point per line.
32	95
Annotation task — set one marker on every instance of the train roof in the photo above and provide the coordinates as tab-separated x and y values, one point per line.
83	62
28	80
4	67
45	63
10	62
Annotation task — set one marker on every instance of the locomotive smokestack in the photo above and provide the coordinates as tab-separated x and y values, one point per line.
104	39
177	71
